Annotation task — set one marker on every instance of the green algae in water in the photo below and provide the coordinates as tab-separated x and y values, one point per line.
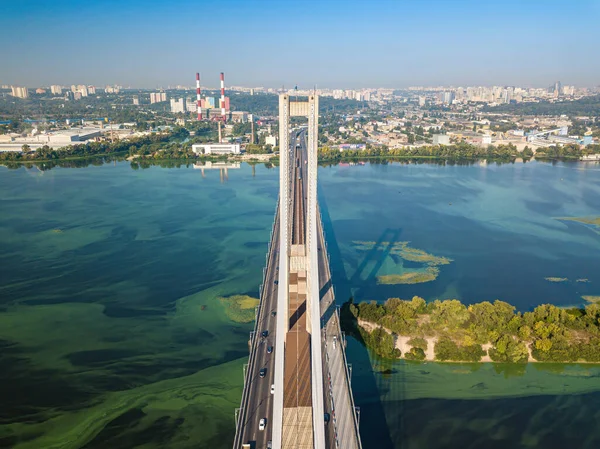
111	331
240	308
556	279
410	277
428	272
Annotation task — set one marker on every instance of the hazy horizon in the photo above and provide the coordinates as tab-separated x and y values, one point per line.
331	44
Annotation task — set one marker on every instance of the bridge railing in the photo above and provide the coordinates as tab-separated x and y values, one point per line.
241	416
339	336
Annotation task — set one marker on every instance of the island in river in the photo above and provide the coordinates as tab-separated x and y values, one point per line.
483	332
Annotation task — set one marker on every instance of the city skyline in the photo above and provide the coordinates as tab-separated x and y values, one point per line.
385	44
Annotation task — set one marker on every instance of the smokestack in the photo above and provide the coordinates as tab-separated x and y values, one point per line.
198	96
223	97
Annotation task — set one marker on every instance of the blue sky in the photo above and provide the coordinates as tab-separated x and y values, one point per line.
330	43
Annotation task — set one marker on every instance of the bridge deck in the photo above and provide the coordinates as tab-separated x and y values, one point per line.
295	410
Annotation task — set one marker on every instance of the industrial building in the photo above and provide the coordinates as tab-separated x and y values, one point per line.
217	148
73	135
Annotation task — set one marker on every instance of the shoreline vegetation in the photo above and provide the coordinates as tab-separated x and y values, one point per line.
176	146
449	331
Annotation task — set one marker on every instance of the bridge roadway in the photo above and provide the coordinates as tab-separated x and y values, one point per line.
257	400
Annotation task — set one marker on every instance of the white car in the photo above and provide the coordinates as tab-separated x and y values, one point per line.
262	424
273	389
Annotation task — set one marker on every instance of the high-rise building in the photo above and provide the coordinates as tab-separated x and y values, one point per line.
448	97
177	106
56	90
19	92
158	97
91	90
136	100
557	88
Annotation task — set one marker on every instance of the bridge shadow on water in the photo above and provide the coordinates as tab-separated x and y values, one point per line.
376	256
374	430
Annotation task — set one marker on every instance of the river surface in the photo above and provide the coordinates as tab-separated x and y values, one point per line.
111	334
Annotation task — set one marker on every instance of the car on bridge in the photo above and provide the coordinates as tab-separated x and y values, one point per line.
262	424
262	373
273	313
265	333
273	389
269	349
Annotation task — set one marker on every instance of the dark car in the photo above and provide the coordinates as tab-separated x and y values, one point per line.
262	372
327	418
269	349
273	313
265	334
276	282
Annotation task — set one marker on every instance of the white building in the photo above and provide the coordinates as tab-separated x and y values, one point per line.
56	90
217	148
158	97
191	105
19	92
73	135
271	140
177	106
441	139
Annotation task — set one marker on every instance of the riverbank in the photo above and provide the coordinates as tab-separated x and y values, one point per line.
402	343
449	331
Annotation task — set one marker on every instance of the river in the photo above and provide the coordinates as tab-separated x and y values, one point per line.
111	333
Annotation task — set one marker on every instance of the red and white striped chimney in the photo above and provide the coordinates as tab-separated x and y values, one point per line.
199	105
223	97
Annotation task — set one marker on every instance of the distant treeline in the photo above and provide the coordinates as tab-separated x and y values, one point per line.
588	106
458	151
170	145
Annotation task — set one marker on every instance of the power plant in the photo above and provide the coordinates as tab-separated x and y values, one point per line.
209	102
198	96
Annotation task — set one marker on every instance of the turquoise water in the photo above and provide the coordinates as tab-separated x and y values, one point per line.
111	334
